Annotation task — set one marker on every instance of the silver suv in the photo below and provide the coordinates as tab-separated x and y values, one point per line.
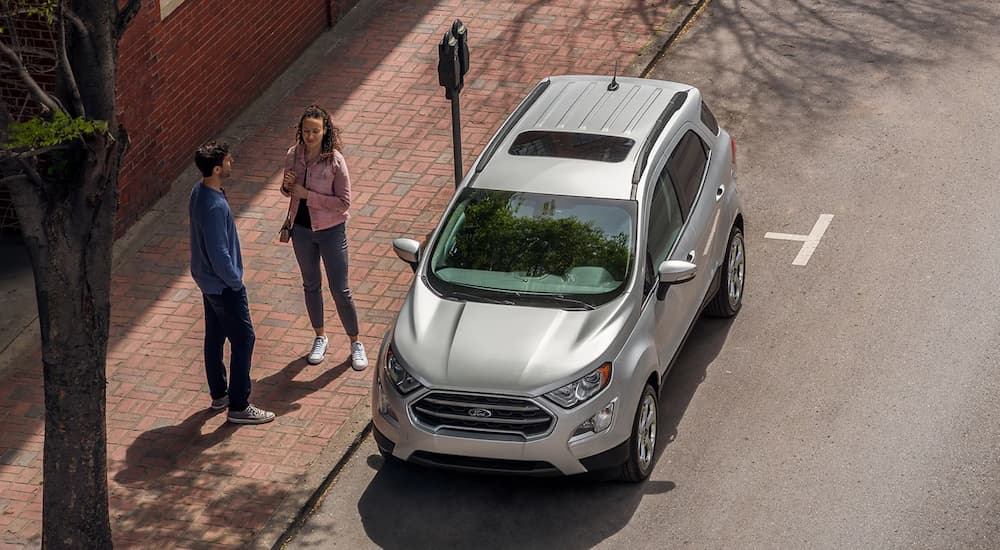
561	282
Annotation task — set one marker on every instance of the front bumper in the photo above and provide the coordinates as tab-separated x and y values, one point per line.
401	434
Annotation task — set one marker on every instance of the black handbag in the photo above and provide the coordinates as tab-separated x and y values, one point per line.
285	233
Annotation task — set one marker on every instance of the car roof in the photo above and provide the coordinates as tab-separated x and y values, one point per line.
579	104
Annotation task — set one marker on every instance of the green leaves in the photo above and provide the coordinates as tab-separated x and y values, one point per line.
37	132
42	9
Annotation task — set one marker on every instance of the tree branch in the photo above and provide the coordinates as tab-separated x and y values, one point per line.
34	52
6	154
31	172
125	16
64	67
6	118
78	23
29	196
17	183
22	73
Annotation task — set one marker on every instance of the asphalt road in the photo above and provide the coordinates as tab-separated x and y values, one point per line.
854	402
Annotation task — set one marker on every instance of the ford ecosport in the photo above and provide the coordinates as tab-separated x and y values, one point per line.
548	305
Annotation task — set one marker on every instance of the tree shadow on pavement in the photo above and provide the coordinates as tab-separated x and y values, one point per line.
408	506
785	62
280	392
174	474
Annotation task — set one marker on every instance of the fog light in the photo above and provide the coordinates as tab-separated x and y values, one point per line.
599	422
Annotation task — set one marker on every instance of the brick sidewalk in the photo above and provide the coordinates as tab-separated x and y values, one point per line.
179	475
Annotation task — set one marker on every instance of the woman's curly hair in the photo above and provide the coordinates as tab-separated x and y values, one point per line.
331	134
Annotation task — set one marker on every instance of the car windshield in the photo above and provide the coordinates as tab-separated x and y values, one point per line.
534	249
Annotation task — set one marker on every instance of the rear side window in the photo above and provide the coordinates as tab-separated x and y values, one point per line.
687	167
571	145
708	119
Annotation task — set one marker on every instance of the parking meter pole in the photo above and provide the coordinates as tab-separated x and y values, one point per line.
456	134
453	64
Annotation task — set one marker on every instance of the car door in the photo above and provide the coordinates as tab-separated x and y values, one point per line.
686	167
664	226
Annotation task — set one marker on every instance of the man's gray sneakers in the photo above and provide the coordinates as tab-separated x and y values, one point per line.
252	415
359	359
220	403
318	350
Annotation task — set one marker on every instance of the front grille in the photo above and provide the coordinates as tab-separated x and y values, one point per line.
482	414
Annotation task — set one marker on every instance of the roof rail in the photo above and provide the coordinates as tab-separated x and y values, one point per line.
511	123
654	133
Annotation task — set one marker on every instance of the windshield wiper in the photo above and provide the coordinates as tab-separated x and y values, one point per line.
567	300
470	296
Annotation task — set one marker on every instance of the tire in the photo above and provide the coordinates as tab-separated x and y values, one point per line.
642	443
729	298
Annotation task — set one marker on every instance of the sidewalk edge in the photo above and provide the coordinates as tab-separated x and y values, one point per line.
666	34
289	518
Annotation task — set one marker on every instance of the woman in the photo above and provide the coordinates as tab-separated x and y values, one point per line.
319	186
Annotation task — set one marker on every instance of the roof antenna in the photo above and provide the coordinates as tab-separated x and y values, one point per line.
614	83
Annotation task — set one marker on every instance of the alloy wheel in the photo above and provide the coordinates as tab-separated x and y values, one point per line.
737	270
646	442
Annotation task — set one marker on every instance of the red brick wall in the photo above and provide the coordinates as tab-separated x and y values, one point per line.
183	79
34	34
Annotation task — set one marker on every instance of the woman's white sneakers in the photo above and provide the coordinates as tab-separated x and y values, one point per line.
359	359
318	350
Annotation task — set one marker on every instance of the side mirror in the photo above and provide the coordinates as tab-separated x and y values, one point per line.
674	272
408	250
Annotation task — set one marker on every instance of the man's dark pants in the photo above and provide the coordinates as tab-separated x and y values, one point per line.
227	315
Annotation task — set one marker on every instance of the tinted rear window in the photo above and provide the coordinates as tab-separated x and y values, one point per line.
708	119
571	145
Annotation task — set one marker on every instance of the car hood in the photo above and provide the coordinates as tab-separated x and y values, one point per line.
493	348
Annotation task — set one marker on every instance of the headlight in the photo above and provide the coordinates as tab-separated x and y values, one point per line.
581	390
397	374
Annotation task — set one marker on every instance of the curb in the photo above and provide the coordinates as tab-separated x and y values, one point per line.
292	515
679	20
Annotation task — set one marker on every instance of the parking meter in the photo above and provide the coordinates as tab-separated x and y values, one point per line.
461	34
449	67
453	63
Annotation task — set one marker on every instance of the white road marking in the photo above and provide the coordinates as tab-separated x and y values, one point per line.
809	242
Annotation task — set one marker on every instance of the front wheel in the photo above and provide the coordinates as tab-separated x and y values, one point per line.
729	298
642	443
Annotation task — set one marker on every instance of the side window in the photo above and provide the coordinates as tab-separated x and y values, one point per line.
665	220
708	119
687	167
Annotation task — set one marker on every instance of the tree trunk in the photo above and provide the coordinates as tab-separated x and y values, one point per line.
69	238
66	202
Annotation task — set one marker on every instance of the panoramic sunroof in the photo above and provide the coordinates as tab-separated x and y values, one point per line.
571	145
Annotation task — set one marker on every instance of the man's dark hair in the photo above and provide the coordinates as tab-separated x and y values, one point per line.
210	155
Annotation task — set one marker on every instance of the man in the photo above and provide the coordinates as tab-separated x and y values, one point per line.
217	267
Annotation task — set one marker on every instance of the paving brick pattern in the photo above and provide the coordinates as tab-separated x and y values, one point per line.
179	475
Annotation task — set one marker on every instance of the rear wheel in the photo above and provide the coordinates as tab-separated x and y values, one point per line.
642	444
729	298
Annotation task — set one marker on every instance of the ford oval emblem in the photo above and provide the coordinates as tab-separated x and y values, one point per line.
480	413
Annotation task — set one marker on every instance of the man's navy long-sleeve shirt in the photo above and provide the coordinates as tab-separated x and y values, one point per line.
216	260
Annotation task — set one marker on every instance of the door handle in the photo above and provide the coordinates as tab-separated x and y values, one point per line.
690	256
720	192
